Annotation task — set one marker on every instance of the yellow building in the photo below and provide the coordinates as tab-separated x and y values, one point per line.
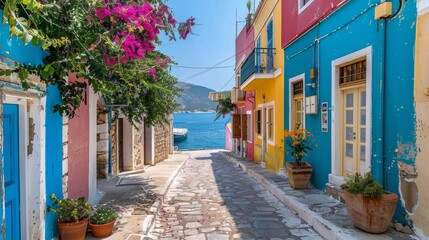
421	94
262	72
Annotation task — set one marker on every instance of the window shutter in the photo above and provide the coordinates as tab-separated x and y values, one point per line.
244	126
236	126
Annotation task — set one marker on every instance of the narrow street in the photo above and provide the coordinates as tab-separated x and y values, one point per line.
213	199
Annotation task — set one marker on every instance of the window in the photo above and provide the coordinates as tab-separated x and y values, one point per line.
298	105
303	4
258	121
353	74
270	123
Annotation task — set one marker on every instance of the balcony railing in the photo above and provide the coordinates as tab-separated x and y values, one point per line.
261	60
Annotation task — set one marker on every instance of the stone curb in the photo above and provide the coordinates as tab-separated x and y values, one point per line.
147	224
322	226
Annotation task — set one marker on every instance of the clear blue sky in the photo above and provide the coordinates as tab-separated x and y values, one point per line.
214	40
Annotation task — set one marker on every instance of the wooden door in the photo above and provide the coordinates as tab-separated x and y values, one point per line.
353	130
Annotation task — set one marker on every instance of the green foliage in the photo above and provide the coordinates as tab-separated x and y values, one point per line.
365	185
299	143
224	107
77	43
103	216
70	210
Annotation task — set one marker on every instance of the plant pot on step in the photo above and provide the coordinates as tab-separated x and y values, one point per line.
299	175
73	230
102	230
371	214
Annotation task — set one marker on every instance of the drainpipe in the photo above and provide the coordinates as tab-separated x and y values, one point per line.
379	151
110	140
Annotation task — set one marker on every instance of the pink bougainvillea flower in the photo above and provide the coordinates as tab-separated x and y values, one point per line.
103	13
152	71
185	28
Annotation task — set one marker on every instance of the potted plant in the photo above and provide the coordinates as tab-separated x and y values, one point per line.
73	216
102	222
299	143
370	208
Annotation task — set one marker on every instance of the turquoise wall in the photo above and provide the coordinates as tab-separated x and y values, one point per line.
15	49
349	29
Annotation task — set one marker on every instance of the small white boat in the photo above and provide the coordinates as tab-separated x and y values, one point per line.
180	134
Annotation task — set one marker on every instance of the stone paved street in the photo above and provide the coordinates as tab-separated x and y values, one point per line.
213	199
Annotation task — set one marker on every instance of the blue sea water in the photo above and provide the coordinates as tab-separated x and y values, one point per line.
203	131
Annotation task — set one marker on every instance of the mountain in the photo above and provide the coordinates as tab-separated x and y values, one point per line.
195	98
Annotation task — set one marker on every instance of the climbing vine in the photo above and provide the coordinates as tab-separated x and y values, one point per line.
110	43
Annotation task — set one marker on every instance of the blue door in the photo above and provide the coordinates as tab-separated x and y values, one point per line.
270	45
11	170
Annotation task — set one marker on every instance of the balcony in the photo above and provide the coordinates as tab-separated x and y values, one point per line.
216	96
237	96
260	61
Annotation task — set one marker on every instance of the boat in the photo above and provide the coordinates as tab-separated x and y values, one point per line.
180	134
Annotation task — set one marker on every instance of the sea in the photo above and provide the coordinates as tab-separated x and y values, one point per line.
203	131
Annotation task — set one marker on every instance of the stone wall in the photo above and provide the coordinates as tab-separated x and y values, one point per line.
114	136
138	147
162	142
102	144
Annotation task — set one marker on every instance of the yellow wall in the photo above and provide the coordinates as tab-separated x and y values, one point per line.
421	216
272	89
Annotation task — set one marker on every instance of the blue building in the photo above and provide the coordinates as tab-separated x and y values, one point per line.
31	146
355	75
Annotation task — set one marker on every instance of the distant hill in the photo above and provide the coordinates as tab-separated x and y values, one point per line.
195	98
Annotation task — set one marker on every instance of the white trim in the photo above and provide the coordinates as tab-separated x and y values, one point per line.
335	101
261	76
92	176
422	7
291	82
301	7
263	107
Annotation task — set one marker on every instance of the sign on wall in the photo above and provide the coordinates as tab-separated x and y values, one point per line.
324	117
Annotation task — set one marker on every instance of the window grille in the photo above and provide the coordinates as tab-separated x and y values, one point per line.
298	88
354	73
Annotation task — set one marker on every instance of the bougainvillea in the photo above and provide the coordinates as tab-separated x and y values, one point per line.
110	43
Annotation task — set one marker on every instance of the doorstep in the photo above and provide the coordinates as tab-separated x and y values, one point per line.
325	214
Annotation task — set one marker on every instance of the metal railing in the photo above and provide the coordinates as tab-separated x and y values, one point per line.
261	60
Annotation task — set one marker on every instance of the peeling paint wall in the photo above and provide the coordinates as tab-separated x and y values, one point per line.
421	94
393	112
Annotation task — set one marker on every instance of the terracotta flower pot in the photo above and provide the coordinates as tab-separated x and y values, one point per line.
73	230
299	176
371	214
102	230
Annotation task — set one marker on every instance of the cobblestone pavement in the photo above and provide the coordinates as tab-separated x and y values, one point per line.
213	199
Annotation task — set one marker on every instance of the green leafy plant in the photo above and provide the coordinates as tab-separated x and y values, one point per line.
365	185
299	143
109	43
224	107
103	216
70	209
